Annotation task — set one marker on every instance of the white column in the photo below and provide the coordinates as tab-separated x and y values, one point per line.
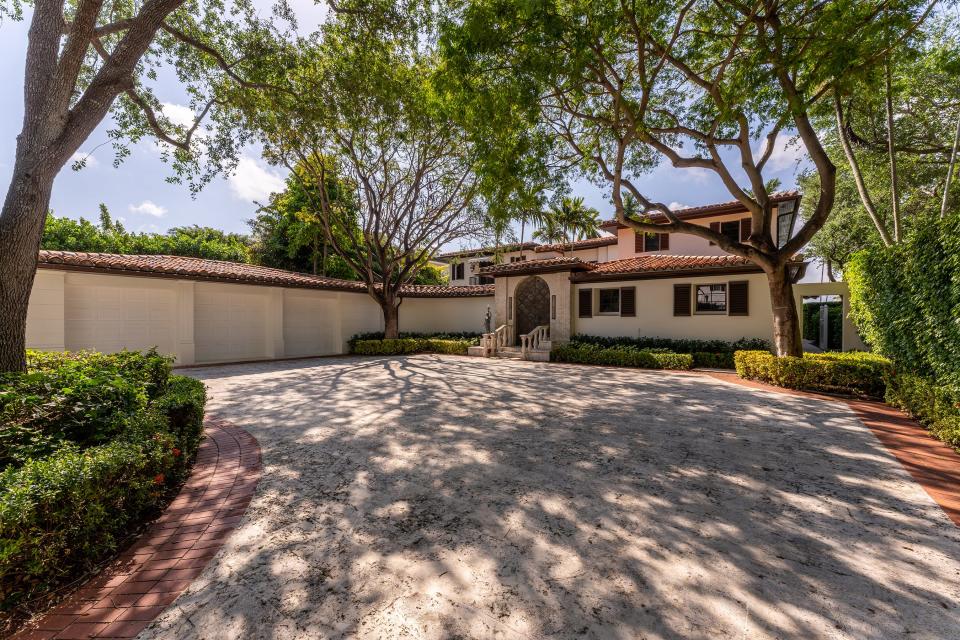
186	348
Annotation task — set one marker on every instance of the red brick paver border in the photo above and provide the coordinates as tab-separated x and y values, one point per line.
932	464
123	599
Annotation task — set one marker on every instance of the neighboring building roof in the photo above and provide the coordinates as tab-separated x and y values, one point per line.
707	210
233	272
577	245
524	267
662	266
485	251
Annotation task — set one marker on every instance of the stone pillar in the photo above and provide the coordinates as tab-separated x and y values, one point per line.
560	307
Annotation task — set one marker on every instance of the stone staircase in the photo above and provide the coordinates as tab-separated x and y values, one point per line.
536	344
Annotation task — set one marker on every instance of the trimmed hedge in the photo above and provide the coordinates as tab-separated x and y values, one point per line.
402	346
620	356
854	373
712	354
65	511
936	406
472	337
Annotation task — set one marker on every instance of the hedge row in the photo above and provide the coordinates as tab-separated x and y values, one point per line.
470	336
854	373
68	508
620	356
402	346
711	354
936	406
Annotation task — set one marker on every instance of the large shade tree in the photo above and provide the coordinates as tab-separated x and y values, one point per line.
86	59
361	105
621	86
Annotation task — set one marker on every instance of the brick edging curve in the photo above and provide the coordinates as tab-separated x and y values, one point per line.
136	587
933	464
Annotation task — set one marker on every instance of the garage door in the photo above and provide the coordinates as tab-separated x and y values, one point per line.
109	314
230	323
310	324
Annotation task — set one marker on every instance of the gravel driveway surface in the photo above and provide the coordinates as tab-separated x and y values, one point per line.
447	497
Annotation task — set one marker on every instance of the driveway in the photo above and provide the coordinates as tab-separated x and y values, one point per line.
447	497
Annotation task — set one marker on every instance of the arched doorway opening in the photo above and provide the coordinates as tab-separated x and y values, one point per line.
532	305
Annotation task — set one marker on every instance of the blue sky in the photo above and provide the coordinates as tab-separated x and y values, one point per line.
137	192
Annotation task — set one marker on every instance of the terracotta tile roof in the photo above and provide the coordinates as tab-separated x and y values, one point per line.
703	211
660	265
485	251
589	243
222	271
537	266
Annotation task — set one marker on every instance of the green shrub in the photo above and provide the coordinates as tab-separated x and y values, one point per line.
470	336
93	454
402	346
854	373
712	354
620	356
711	360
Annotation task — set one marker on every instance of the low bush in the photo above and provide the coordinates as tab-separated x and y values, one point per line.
80	477
854	373
711	354
402	346
934	405
471	337
620	356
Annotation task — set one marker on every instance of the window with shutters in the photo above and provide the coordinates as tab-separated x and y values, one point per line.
628	302
735	230
585	303
609	302
740	298
711	298
652	242
681	299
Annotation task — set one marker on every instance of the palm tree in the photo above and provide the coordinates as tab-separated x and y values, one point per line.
551	231
575	220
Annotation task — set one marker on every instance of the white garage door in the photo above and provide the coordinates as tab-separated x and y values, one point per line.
230	323
310	324
109	314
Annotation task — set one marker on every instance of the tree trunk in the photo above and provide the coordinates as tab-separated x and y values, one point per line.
391	318
325	256
786	323
21	228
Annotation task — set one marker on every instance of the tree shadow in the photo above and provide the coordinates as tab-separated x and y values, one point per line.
446	497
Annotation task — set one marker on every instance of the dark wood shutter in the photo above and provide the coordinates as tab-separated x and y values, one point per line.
715	227
664	241
681	299
746	228
628	302
638	239
585	303
739	298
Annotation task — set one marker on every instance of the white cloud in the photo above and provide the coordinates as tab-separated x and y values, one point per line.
673	206
148	208
253	181
788	153
179	114
89	159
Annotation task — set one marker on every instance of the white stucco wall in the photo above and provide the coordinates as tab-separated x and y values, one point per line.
655	312
206	322
681	244
434	315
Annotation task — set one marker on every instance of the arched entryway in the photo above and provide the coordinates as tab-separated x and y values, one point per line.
532	305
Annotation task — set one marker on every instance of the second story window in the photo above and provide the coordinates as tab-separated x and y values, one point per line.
651	242
457	271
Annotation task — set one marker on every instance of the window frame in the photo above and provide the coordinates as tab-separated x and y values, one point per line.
696	299
600	292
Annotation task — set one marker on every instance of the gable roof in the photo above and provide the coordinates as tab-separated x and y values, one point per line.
200	269
707	210
665	265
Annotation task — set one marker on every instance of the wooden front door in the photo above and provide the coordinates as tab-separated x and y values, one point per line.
532	305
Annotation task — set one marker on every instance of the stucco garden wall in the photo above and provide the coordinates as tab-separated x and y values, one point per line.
207	322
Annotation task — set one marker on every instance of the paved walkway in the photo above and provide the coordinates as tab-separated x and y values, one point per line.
173	551
445	497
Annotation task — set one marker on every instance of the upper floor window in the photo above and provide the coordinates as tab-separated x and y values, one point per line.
517	258
785	217
651	242
457	271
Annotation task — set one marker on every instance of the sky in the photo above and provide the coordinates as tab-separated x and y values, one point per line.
137	193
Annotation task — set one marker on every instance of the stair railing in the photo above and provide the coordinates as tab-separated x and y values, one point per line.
494	341
532	341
